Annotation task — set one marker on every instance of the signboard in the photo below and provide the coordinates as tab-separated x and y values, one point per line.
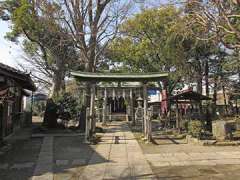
152	92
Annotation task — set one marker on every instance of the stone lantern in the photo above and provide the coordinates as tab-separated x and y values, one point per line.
139	102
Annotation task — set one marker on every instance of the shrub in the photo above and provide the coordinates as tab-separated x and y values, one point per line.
195	128
68	107
38	108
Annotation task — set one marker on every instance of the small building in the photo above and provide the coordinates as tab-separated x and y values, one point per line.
13	86
188	105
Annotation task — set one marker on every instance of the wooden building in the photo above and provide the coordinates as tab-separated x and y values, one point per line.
13	86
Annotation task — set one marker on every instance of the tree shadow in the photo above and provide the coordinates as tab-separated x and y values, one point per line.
70	156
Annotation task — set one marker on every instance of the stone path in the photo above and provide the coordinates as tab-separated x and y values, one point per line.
43	169
195	158
118	156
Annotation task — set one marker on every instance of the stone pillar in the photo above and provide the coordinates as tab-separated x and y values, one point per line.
113	108
110	112
87	129
92	108
149	125
131	107
145	109
177	116
219	129
84	96
105	107
237	123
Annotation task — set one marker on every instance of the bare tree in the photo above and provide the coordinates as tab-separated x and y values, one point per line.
92	24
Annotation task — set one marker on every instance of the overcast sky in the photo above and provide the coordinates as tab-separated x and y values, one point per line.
10	53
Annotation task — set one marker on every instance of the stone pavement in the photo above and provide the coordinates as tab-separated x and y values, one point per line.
195	158
188	155
118	156
43	169
19	162
170	161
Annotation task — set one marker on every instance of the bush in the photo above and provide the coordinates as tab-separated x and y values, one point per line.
195	128
38	108
68	107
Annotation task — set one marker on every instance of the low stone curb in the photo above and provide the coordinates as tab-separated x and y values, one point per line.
57	135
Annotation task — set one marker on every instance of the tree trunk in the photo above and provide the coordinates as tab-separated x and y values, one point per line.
1	124
225	100
50	115
199	77
206	78
199	89
58	86
199	83
208	117
214	105
58	82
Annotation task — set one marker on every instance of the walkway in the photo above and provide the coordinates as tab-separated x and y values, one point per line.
118	156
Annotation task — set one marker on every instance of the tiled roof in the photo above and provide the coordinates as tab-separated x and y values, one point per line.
24	79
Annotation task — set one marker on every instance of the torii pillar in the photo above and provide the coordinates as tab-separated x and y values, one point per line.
92	109
105	107
146	116
145	105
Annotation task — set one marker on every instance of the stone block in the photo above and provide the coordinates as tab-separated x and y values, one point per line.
219	129
238	124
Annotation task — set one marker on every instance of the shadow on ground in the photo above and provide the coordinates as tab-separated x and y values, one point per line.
70	156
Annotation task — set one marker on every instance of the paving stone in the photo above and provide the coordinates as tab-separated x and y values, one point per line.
160	163
117	172
142	172
118	161
201	163
4	166
43	169
22	165
78	162
63	176
227	161
176	163
94	171
45	176
62	162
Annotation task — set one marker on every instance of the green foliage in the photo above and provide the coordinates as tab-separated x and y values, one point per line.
38	108
46	42
68	106
153	41
195	128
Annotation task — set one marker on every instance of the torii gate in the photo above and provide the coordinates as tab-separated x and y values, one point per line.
94	78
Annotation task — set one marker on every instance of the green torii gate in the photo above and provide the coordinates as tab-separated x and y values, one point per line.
93	78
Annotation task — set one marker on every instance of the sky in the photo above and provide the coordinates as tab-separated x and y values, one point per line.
10	53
